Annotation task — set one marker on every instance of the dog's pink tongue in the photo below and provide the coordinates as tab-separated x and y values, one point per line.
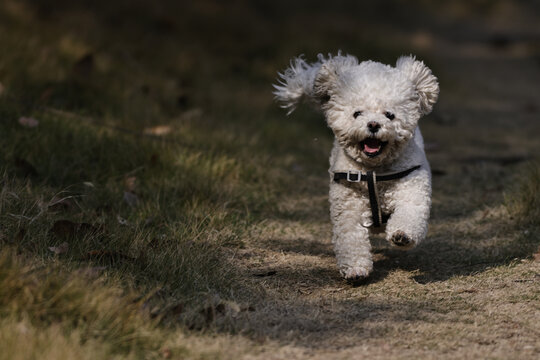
372	145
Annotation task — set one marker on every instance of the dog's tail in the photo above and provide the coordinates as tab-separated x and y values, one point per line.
297	82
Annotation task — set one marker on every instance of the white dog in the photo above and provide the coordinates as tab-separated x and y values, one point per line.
378	169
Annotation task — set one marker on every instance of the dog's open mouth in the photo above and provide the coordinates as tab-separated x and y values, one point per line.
372	147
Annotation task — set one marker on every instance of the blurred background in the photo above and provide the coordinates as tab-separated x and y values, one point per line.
482	49
201	71
143	63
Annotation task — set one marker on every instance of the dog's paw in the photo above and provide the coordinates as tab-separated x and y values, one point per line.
401	240
355	274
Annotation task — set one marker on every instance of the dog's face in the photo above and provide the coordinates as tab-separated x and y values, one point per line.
373	109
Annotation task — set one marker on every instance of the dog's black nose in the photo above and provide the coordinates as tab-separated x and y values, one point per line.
373	126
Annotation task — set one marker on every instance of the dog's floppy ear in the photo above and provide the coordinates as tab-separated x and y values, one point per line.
329	77
317	81
295	83
425	82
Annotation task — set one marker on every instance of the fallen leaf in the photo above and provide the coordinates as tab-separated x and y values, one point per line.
130	198
28	122
60	249
159	130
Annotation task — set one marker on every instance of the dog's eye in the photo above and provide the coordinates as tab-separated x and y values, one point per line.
357	114
389	115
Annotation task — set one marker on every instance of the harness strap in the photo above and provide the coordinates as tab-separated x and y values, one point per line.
374	199
372	179
357	176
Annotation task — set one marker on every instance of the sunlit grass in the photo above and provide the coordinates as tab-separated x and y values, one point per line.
81	310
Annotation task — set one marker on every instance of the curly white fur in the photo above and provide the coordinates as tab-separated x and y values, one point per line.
373	110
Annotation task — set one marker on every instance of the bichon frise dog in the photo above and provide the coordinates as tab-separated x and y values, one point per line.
379	175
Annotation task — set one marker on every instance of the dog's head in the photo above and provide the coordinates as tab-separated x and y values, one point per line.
372	108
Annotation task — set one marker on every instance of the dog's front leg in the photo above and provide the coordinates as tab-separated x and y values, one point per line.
348	209
408	224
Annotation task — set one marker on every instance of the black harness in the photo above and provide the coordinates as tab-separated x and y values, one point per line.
372	179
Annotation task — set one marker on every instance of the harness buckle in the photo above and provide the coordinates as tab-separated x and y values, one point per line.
356	176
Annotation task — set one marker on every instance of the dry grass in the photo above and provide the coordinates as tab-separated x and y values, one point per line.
46	343
165	207
72	306
47	313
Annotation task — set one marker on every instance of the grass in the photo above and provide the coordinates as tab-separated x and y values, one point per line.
523	202
165	207
88	310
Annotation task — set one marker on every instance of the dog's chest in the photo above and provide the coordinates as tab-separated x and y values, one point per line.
386	198
384	193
